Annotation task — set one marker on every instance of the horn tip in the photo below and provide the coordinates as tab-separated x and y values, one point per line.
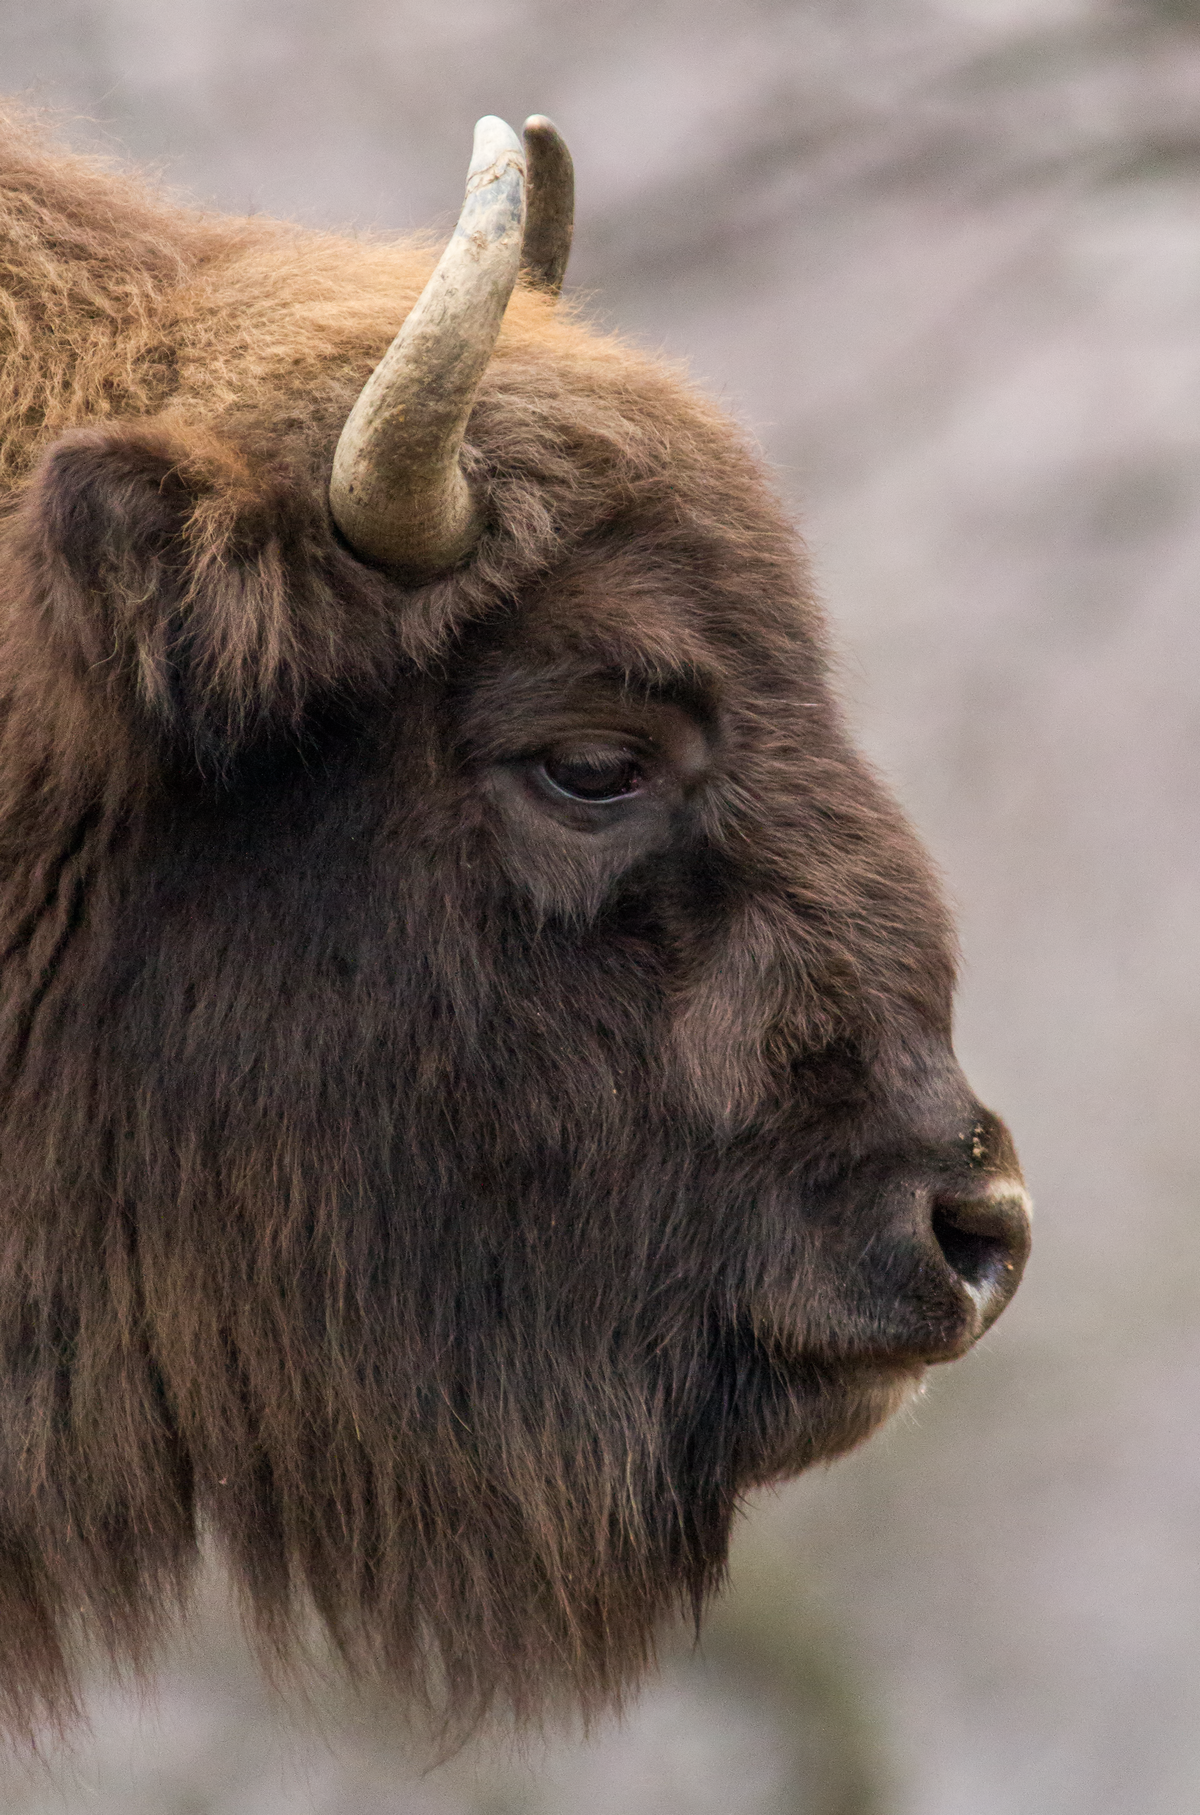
493	137
551	207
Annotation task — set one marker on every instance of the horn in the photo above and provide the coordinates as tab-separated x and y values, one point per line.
397	491
550	213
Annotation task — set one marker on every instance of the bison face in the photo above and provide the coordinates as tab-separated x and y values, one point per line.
659	786
477	1084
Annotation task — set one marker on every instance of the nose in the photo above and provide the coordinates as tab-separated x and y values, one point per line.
982	1236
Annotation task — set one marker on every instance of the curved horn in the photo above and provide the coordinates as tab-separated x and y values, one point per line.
550	215
397	491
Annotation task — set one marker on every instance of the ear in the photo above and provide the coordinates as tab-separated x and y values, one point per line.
198	582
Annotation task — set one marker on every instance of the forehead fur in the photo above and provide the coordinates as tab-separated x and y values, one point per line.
122	304
119	302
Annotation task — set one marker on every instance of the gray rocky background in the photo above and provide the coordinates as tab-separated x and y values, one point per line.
943	256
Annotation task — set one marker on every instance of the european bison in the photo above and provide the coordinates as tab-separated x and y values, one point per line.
477	1091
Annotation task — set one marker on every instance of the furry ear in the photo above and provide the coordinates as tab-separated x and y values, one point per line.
199	582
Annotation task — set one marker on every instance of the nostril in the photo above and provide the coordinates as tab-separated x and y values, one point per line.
984	1241
974	1257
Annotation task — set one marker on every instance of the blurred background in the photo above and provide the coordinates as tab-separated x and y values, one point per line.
943	258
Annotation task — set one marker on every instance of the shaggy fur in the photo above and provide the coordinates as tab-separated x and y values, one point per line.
447	1195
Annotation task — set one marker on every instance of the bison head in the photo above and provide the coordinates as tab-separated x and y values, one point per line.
476	1088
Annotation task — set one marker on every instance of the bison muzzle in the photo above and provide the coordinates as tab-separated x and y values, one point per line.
476	1088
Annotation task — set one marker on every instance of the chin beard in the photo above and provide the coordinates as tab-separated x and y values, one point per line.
816	1411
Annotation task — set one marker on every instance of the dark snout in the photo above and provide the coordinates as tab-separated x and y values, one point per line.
928	1238
964	1218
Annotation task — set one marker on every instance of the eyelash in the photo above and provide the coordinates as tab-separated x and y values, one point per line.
618	768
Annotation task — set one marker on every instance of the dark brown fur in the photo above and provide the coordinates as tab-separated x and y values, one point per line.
449	1204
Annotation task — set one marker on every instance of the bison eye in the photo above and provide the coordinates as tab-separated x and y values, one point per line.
597	776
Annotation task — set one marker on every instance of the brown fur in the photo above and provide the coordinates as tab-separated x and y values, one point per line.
448	1198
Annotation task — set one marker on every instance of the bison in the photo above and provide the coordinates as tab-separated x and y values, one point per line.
476	1087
